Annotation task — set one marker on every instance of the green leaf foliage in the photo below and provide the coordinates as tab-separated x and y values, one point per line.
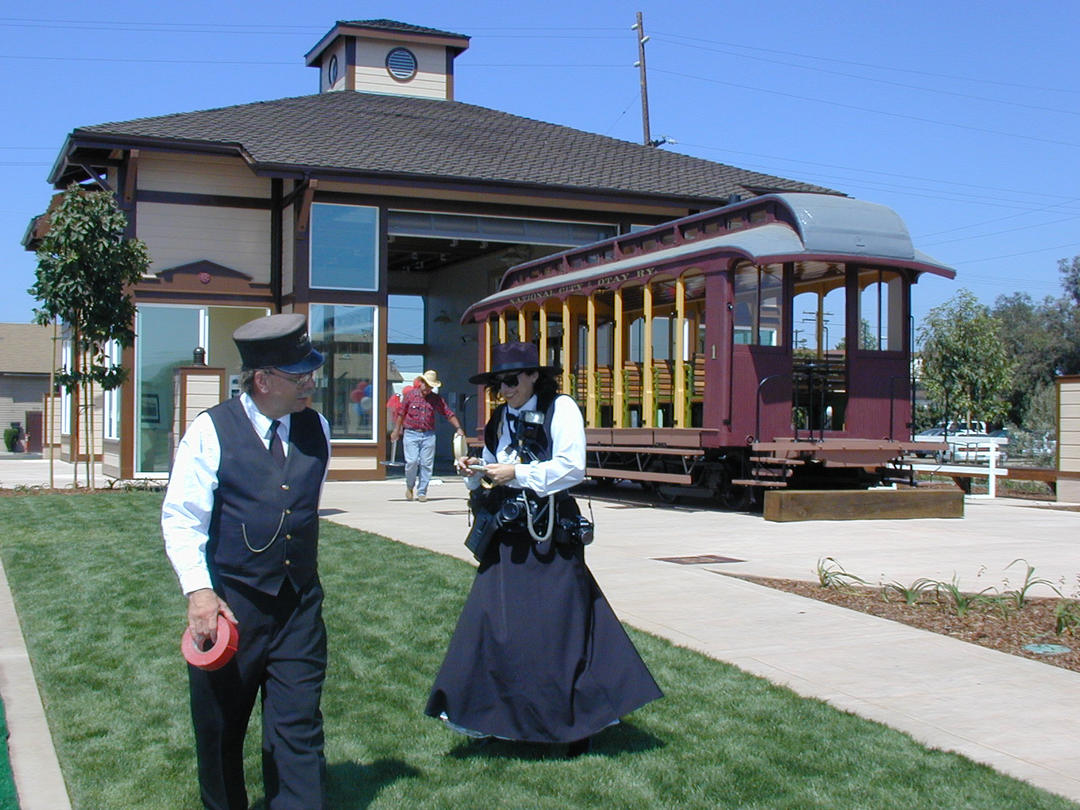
86	268
965	368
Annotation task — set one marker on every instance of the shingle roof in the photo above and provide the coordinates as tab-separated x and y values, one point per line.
394	25
367	133
25	348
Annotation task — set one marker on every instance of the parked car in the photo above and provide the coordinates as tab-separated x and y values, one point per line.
934	434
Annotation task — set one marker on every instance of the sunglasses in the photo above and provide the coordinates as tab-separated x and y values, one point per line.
509	380
299	380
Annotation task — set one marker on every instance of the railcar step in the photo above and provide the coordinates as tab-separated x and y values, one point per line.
754	482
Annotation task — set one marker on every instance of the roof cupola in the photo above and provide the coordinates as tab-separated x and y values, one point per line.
384	56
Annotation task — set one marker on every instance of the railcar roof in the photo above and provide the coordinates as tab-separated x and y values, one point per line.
816	227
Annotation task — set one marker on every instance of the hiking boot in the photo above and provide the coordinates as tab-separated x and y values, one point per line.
421	498
408	494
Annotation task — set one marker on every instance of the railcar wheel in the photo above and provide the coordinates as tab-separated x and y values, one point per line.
657	488
731	496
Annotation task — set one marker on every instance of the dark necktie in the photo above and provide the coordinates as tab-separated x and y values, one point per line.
512	424
277	450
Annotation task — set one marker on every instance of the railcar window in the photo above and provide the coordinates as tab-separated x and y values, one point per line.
759	304
881	310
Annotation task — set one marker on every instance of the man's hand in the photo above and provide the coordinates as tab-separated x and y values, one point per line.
395	434
204	605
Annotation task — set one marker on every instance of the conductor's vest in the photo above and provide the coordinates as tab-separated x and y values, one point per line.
265	523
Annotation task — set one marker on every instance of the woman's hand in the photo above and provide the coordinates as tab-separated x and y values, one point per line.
500	473
469	466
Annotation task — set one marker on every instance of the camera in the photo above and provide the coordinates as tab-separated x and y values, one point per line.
576	530
510	511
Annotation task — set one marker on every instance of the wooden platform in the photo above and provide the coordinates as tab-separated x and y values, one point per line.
862	504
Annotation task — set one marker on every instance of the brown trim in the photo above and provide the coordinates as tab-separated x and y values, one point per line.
156	296
351	297
301	262
127	425
303	218
450	55
350	64
276	241
441	206
457	185
130	177
214	200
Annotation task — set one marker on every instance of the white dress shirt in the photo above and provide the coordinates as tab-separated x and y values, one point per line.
189	498
567	465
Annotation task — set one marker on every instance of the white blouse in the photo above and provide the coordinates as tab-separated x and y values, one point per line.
567	465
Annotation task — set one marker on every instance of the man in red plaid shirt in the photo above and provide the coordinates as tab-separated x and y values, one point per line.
416	417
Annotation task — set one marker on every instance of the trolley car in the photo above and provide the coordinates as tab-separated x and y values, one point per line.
760	345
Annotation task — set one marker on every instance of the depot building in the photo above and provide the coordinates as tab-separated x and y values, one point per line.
379	206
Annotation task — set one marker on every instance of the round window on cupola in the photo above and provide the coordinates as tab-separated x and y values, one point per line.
401	64
331	71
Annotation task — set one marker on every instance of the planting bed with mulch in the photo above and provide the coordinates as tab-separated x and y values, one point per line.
990	625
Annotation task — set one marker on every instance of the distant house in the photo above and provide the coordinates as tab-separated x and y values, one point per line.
379	207
26	356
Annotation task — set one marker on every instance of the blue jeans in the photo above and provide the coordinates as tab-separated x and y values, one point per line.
419	459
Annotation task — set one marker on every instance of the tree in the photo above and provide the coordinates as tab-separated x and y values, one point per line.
85	269
964	365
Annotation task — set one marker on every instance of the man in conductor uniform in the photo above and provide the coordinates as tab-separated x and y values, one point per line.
240	521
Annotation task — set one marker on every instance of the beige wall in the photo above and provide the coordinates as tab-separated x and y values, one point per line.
1069	424
288	278
373	77
338	51
237	238
194	174
203	392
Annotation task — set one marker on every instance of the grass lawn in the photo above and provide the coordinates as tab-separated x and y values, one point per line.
102	615
7	785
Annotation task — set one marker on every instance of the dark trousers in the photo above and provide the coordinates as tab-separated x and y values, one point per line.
282	653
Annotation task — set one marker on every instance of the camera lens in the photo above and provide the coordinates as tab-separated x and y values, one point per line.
510	511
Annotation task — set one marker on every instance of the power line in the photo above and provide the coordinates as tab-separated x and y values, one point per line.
952	77
857	108
857	77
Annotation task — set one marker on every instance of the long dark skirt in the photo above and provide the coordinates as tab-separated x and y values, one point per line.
538	654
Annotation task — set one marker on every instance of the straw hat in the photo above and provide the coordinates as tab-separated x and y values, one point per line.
432	379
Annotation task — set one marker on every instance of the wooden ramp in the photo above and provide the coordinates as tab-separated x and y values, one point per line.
862	504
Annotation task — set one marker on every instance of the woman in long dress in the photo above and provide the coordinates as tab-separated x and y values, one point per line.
538	654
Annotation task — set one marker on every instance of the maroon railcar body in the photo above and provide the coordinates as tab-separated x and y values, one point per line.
779	349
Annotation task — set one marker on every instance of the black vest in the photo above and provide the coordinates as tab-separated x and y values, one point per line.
544	404
265	523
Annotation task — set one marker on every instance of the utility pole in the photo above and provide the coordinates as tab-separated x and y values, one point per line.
639	27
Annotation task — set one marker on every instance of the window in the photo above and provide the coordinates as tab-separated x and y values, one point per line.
759	304
881	310
65	394
344	247
346	387
405	319
112	398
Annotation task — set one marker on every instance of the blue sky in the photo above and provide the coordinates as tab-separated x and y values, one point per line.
963	117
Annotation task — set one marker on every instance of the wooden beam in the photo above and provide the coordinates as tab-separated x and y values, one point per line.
648	406
542	325
566	329
304	216
590	362
862	504
619	395
678	407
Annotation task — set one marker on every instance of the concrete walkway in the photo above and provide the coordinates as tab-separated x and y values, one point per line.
1013	714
